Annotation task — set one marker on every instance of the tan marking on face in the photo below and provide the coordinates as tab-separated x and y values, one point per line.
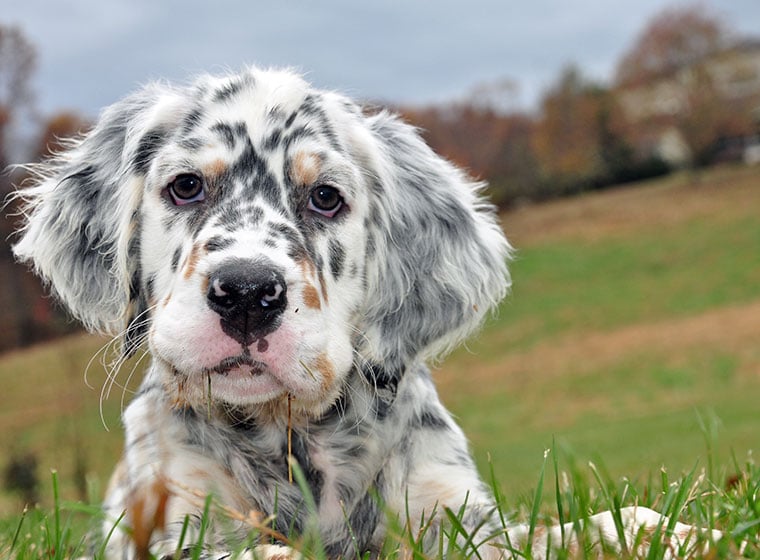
323	286
305	168
310	294
326	368
192	261
307	267
204	285
215	168
311	297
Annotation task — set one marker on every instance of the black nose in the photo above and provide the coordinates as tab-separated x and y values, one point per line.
249	296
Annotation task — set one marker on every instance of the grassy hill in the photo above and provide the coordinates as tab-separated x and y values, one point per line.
635	312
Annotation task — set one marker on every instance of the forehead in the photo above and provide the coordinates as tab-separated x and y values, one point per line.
269	109
258	137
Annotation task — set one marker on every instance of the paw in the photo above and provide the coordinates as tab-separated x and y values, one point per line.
259	552
272	552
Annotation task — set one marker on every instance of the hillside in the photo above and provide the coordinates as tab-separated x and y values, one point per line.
634	312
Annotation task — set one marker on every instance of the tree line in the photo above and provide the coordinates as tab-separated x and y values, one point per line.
685	94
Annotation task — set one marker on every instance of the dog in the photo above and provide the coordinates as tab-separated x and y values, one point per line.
291	261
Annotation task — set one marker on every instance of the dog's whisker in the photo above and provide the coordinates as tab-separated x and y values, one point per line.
125	386
113	368
307	369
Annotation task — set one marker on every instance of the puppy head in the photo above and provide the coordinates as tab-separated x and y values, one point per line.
264	237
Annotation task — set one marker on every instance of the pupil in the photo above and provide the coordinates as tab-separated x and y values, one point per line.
186	186
327	198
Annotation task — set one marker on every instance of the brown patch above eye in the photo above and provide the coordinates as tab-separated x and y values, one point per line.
215	168
305	168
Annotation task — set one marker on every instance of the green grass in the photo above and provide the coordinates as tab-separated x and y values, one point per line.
576	492
616	339
633	323
604	284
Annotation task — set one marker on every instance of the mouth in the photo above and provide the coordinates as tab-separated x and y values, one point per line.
240	380
243	363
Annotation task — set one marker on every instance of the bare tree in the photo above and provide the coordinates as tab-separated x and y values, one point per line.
21	294
17	64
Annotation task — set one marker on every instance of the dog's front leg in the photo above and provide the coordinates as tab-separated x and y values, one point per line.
163	479
634	534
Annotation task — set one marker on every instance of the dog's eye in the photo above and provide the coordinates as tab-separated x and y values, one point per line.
325	200
186	189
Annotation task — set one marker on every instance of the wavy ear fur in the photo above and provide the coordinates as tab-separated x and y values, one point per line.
81	218
440	263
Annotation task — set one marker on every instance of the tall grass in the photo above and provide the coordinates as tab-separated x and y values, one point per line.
577	492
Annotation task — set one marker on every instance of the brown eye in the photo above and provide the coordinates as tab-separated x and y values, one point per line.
186	189
325	200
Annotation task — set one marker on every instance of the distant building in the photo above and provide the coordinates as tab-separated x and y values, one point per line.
657	110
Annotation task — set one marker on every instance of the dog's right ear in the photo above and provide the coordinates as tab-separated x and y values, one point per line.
81	213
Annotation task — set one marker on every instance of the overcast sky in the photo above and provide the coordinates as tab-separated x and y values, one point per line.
92	52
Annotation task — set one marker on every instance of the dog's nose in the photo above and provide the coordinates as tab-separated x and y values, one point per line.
249	296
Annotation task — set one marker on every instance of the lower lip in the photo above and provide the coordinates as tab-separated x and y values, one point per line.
245	383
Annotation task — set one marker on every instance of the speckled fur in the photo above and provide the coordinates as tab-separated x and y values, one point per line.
401	273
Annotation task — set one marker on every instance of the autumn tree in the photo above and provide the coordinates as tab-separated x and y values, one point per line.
17	62
488	143
669	77
675	38
57	130
28	315
567	139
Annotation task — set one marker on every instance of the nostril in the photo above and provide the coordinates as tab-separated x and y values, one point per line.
222	293
273	295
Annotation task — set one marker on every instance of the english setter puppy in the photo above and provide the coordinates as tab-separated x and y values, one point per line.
291	262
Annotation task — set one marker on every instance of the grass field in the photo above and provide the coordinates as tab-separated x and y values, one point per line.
635	315
634	312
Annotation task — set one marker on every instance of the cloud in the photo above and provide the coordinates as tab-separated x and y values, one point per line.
414	51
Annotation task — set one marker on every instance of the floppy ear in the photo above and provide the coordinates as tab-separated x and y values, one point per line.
81	219
439	264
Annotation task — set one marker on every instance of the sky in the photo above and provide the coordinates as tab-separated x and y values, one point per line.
93	52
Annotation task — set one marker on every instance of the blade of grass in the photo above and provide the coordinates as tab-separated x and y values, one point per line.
536	505
613	506
18	527
104	544
558	493
205	520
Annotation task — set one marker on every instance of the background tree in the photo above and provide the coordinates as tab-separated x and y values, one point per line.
56	130
673	39
491	144
679	53
17	63
567	139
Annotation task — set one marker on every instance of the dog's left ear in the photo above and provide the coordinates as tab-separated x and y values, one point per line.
82	219
439	264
